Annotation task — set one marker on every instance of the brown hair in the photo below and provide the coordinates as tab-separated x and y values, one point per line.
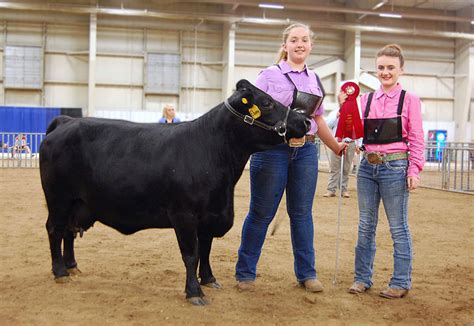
392	50
282	54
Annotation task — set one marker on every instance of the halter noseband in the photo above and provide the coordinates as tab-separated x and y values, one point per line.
279	127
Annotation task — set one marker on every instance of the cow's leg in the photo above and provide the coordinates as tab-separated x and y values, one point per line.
188	244
55	235
69	258
205	271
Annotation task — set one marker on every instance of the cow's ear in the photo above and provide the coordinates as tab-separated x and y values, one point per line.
245	90
243	83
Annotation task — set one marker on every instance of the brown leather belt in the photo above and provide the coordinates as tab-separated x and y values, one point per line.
310	138
298	142
378	158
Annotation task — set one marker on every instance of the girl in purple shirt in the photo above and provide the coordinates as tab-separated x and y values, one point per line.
392	161
294	169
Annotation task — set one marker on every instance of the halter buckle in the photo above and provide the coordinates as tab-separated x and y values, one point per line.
248	119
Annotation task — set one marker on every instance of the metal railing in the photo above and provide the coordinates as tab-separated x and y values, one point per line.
449	167
20	149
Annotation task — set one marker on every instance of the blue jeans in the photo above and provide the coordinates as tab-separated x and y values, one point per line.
387	182
271	172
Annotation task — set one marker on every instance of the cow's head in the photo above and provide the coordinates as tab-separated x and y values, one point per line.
260	110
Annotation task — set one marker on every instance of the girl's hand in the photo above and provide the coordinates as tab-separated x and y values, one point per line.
341	97
413	183
342	149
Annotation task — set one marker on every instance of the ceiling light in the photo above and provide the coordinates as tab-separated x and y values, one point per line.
472	22
378	5
390	15
271	6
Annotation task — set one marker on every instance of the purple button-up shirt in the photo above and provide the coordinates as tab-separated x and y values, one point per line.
272	80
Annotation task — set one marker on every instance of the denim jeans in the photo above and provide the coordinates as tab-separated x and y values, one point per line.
387	182
271	172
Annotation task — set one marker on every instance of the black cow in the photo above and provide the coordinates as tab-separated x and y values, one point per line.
135	176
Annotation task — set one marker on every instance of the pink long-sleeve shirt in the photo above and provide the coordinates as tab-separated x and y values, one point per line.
384	105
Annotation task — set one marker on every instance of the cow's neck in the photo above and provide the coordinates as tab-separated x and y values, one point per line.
224	133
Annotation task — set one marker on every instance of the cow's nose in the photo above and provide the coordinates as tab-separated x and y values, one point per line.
307	122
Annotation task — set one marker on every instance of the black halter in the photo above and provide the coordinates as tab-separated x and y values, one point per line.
279	127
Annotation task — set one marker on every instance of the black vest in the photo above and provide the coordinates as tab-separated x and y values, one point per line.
383	131
306	101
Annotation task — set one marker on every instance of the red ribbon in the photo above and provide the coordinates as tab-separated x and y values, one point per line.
350	124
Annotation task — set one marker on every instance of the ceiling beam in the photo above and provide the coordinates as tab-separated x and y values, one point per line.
343	10
222	18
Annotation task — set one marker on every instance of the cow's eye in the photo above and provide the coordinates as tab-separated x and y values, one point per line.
267	103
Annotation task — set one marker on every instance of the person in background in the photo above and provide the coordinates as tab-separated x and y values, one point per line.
389	170
294	169
20	145
334	181
169	115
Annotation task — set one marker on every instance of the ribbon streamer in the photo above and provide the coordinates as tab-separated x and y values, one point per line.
350	124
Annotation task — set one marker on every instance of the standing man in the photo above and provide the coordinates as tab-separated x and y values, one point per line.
335	161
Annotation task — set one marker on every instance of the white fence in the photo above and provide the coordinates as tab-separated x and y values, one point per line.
20	149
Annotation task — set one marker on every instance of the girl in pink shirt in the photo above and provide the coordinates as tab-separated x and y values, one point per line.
390	168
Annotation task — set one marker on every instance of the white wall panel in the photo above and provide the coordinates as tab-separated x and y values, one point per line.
119	70
207	76
256	48
157	103
2	68
201	102
204	38
202	54
248	73
415	66
2	39
162	41
422	48
119	41
253	58
428	86
22	98
118	98
67	96
67	38
438	110
19	34
67	68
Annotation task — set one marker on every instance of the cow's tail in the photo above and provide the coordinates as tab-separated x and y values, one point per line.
56	122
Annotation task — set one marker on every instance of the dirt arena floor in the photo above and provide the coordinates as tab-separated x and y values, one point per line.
139	279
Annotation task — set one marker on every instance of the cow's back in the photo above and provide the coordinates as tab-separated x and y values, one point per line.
130	175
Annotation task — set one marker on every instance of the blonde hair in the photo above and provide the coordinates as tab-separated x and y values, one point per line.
282	54
392	50
164	110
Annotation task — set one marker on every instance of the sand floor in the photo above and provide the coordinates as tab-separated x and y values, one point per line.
139	279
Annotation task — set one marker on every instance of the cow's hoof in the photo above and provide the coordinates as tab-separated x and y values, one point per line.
214	285
62	279
198	301
74	271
